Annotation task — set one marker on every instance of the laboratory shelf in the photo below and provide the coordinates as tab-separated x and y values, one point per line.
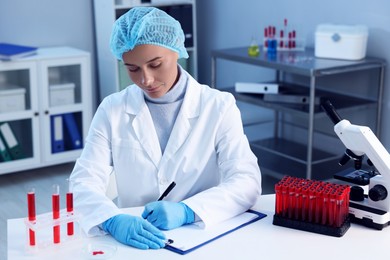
338	100
316	79
298	62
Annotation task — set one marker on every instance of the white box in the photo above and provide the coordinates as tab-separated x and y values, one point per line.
12	98
341	41
62	94
256	88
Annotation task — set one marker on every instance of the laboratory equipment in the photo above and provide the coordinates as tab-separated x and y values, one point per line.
44	230
56	213
370	209
345	42
253	49
69	212
31	215
286	41
312	205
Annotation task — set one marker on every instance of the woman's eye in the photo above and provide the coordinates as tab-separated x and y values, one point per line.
155	65
132	69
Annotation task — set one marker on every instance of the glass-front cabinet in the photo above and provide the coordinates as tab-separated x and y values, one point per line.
45	108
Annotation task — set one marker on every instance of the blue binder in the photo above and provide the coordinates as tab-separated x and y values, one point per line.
57	134
72	132
10	51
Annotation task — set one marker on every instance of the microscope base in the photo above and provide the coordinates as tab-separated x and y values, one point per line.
368	216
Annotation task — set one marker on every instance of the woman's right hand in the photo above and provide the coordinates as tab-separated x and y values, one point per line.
134	231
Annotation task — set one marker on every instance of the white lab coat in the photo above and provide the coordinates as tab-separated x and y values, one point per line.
207	155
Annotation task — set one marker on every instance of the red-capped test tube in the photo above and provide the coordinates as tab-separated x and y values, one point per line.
56	213
31	214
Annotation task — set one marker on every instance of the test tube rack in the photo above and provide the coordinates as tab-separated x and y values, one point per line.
284	39
43	229
311	205
283	44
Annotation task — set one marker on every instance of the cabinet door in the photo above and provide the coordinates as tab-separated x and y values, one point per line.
64	107
19	126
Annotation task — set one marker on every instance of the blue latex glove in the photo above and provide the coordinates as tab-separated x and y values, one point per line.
168	215
134	231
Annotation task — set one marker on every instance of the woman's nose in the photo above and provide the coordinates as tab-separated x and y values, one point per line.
146	79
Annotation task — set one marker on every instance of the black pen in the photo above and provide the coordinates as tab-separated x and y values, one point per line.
167	191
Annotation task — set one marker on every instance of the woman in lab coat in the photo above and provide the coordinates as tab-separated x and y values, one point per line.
164	128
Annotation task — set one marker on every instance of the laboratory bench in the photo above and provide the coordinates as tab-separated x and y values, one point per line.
300	73
259	240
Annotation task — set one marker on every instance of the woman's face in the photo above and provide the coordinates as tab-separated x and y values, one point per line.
152	68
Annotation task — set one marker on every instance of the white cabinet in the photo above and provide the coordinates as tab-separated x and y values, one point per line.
112	73
51	126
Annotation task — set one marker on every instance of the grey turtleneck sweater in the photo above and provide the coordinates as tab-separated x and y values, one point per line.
165	109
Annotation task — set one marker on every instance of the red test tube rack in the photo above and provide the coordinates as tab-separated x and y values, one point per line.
310	205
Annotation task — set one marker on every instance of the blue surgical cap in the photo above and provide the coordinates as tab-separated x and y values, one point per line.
146	25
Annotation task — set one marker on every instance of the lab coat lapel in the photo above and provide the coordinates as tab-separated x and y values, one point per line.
143	126
184	121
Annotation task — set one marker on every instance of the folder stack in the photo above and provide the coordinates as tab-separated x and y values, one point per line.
65	134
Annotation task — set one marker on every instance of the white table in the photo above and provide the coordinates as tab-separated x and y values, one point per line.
260	240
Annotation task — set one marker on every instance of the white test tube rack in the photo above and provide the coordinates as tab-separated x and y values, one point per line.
43	230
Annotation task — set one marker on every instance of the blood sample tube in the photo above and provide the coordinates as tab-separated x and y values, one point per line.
278	195
291	200
31	214
56	213
312	204
69	211
298	202
285	189
305	203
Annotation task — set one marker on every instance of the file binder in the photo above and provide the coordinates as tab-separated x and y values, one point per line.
188	238
10	141
4	154
13	51
72	132
291	99
256	88
57	134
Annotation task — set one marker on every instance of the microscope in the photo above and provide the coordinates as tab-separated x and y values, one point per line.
372	209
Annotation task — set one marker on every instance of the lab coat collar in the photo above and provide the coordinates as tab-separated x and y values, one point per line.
143	123
144	127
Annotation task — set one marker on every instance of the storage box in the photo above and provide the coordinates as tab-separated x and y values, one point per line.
341	41
62	94
12	98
